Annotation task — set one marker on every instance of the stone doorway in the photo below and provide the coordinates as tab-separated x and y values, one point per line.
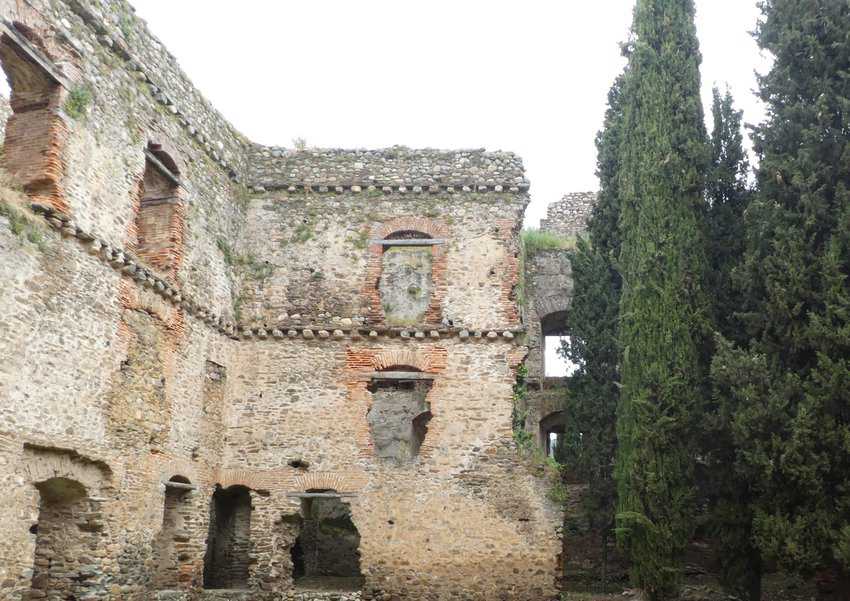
66	559
326	554
226	563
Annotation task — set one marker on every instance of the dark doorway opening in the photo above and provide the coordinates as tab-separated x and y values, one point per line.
228	553
65	536
326	554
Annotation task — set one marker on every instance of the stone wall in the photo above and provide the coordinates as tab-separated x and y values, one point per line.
414	170
5	113
315	261
238	349
568	216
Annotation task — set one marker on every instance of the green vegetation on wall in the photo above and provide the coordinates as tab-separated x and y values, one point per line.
78	101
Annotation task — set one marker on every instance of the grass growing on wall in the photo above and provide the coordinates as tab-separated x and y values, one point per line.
531	241
14	207
79	99
534	239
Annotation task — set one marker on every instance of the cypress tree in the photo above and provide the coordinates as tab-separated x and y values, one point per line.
790	385
728	195
727	492
590	440
664	313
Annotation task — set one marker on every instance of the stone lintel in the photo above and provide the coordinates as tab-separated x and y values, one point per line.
32	53
409	242
165	171
180	485
319	495
401	375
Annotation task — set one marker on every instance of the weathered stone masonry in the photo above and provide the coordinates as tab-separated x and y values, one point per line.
194	331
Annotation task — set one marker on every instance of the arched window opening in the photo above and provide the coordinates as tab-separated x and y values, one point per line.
552	433
554	332
159	223
399	415
228	556
406	284
29	116
172	541
326	553
408	235
65	535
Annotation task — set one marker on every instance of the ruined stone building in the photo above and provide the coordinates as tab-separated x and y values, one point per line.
229	371
548	291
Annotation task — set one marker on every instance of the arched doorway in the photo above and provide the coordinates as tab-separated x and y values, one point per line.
172	537
65	535
228	556
552	432
553	331
326	553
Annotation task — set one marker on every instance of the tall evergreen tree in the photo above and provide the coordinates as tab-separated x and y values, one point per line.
665	322
728	494
728	195
590	435
791	384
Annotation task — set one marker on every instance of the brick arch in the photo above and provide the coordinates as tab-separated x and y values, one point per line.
322	481
36	132
389	358
40	464
178	467
166	153
434	229
426	225
430	358
254	480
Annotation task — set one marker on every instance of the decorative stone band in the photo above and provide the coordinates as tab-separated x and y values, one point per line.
465	187
409	335
130	266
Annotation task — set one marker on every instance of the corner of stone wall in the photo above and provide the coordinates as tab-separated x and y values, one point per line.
568	216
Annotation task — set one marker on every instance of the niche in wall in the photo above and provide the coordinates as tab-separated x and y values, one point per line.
399	415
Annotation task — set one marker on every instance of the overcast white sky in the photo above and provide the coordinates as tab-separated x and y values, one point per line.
527	76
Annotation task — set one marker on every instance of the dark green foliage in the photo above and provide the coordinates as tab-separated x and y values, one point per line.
665	316
727	493
728	195
789	388
604	222
78	101
590	440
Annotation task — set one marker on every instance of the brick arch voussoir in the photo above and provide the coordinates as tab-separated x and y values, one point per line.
179	468
389	358
323	481
252	480
426	225
39	466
